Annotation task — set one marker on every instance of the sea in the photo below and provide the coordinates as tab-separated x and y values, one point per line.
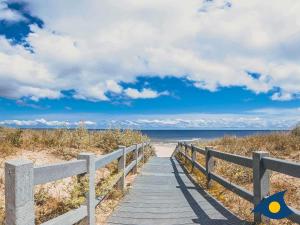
192	135
174	136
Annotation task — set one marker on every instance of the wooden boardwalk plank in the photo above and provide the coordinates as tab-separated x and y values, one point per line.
164	195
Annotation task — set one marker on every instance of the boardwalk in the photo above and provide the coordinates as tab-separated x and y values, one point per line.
163	194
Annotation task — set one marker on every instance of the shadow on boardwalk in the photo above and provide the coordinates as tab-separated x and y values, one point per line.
203	218
164	194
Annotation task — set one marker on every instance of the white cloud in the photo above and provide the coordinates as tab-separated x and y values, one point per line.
282	96
252	120
113	86
265	118
44	122
283	112
144	93
93	45
8	14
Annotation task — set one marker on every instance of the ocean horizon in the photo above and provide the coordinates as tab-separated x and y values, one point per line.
176	135
192	135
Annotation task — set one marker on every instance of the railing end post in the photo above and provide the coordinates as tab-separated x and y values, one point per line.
19	196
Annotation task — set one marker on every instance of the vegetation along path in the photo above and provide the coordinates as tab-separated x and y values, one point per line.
164	194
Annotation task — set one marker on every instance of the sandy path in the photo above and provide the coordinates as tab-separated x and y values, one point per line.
164	149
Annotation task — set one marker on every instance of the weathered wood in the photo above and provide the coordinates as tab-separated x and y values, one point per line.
186	157
236	159
130	167
200	167
143	153
199	150
57	171
91	195
233	187
108	158
140	145
260	164
19	201
185	151
69	218
163	194
282	166
121	168
261	182
21	176
209	166
130	149
196	164
140	158
136	156
194	157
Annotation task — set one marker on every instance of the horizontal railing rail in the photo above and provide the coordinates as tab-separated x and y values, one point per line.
21	177
282	166
58	171
236	159
106	159
260	163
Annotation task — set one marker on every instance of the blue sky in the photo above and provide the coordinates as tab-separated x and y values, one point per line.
149	65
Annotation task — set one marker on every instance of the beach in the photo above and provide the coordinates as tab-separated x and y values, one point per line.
164	149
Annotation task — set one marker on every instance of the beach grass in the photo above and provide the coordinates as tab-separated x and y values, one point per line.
284	145
47	146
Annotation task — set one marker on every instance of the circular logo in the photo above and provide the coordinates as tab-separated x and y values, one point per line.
274	207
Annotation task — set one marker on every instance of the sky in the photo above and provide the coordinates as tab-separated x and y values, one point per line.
150	64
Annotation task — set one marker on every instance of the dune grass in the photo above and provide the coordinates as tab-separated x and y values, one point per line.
64	144
285	145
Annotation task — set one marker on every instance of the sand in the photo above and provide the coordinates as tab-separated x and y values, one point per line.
164	149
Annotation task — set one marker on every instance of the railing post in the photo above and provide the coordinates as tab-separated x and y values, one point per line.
121	168
209	166
91	196
185	152
143	152
193	157
19	196
261	182
136	156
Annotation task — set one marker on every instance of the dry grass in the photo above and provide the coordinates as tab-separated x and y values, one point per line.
285	145
57	198
64	143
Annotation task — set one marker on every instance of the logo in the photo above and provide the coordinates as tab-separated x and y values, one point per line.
274	207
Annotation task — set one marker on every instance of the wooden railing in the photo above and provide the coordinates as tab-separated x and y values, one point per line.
260	163
21	176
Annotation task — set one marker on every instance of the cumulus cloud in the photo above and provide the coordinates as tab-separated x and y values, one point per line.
91	46
145	93
44	122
